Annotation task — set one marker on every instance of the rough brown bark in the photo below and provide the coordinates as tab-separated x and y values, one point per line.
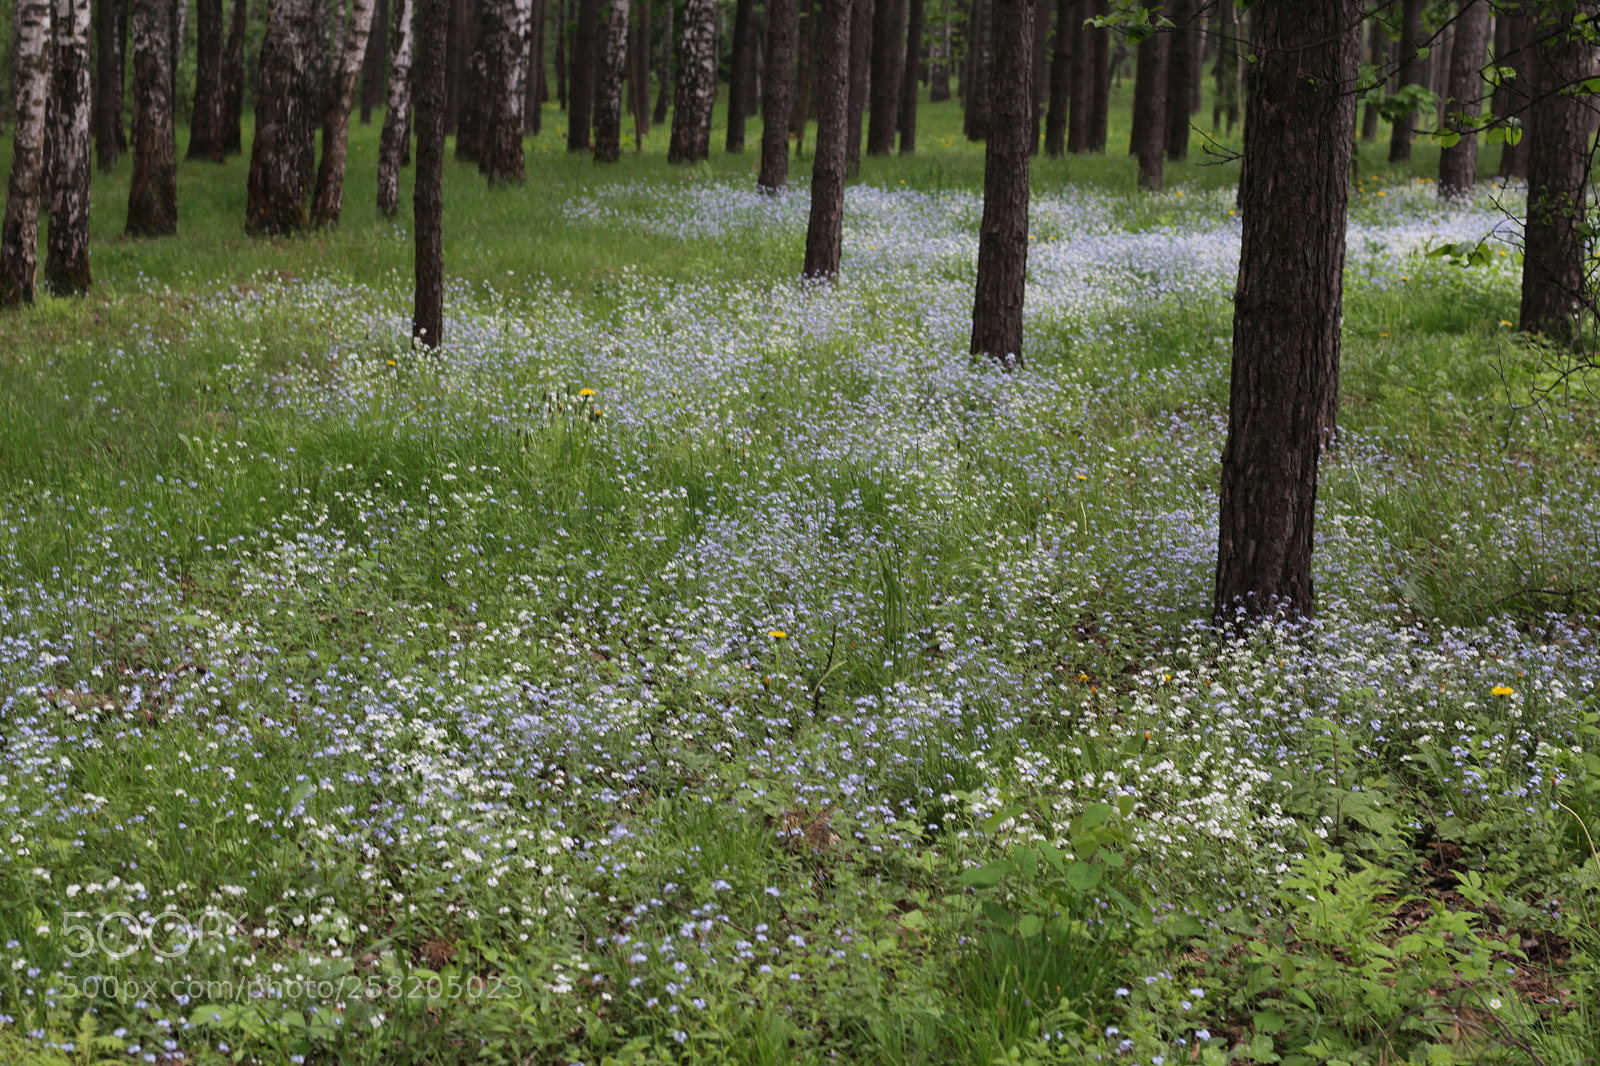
1412	71
472	112
608	98
1558	128
500	158
395	127
19	234
327	202
975	123
285	141
1003	234
805	77
66	268
1081	98
1100	74
777	95
427	317
1294	197
1511	96
153	190
581	75
825	227
458	57
1055	125
696	91
1043	10
206	116
860	65
1458	163
535	89
888	52
1182	59
108	84
741	73
375	62
916	17
233	79
1150	109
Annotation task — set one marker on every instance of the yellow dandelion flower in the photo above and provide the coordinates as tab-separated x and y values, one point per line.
585	392
1503	322
1501	690
776	634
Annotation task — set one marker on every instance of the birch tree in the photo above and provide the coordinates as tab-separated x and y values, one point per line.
608	95
327	203
696	90
285	142
66	267
19	236
500	159
396	115
153	191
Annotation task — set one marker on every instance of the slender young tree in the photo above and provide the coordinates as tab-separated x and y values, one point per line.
1150	108
1294	197
1182	60
777	95
500	158
825	227
581	70
916	18
1055	124
860	65
108	83
742	72
888	52
396	127
66	267
233	79
374	62
1559	124
206	116
427	317
1412	71
327	202
696	91
153	190
608	99
1003	234
19	235
1458	163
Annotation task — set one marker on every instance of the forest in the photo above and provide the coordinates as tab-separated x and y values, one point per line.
553	532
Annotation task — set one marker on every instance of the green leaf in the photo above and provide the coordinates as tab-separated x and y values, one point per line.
1269	1021
1052	857
1027	862
984	876
1030	925
1447	138
1422	53
997	914
1093	815
1083	876
1186	927
996	820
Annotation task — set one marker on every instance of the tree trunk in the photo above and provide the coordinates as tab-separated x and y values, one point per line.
1081	99
825	228
1511	95
458	57
608	98
1150	108
743	62
1558	127
233	79
888	51
19	236
939	73
500	158
975	123
375	62
206	117
563	87
777	96
285	140
1375	55
915	17
1293	196
327	203
1003	234
1181	63
392	140
1100	81
1458	163
108	84
666	83
66	268
427	317
696	91
153	190
1055	126
800	113
860	67
581	71
535	91
472	113
639	72
1411	73
1042	12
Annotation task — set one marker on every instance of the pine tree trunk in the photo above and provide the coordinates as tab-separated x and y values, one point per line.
1558	128
375	62
916	16
1411	73
1511	95
1055	124
1100	102
534	88
108	84
500	158
153	189
665	83
1043	10
206	117
743	62
1150	109
975	123
608	99
777	101
66	268
458	55
563	87
327	203
472	112
19	235
427	317
1181	62
285	142
860	66
124	21
805	78
1458	163
1375	56
1003	234
825	227
696	91
939	73
1293	196
1081	98
888	51
581	76
233	79
392	140
639	72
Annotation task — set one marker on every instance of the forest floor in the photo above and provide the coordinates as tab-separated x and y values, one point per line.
692	665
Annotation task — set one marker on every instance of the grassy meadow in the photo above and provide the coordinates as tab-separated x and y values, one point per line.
692	665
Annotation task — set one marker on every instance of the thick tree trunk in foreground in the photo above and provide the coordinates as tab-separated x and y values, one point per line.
427	317
888	51
1182	62
233	80
825	228
916	17
860	64
1150	110
396	127
1558	128
1003	234
696	91
153	191
327	202
66	267
1511	95
1411	73
500	158
1458	163
1055	123
205	120
581	75
777	95
108	84
742	74
608	100
19	235
1294	195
